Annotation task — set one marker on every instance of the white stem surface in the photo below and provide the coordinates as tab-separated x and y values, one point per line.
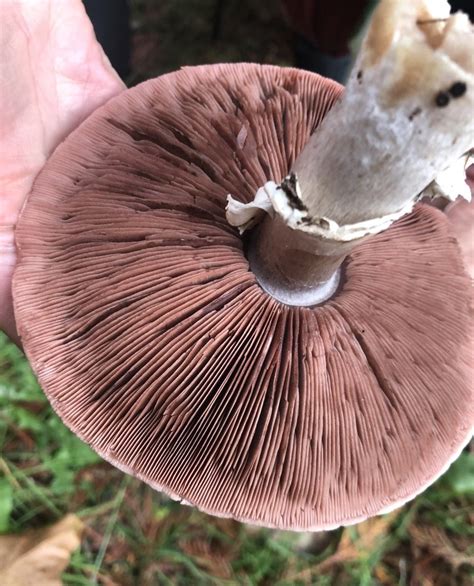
407	115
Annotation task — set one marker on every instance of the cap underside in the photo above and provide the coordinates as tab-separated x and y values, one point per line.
155	344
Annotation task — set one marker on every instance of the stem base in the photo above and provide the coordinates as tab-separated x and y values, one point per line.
302	297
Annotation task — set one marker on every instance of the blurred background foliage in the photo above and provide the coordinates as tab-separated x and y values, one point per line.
135	536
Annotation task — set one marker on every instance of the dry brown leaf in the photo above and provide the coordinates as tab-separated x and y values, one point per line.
38	557
369	533
437	543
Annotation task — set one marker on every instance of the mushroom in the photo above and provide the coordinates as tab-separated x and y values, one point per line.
316	370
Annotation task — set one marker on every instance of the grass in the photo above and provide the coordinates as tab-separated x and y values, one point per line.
137	536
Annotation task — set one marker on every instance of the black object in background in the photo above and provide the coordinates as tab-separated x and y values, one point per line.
466	6
111	21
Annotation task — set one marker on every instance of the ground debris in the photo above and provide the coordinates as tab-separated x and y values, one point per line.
39	556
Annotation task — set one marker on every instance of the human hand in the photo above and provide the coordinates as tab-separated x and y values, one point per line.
53	74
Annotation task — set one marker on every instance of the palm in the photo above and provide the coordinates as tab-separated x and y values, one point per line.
53	75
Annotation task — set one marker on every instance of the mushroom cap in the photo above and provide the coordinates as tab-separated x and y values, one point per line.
156	346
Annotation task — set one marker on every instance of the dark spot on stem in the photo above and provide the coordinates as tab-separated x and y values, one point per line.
458	89
414	113
442	99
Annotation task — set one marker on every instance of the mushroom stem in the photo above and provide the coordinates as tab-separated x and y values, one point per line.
405	117
294	267
404	120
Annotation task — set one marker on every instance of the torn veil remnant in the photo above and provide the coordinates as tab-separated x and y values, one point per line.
156	345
